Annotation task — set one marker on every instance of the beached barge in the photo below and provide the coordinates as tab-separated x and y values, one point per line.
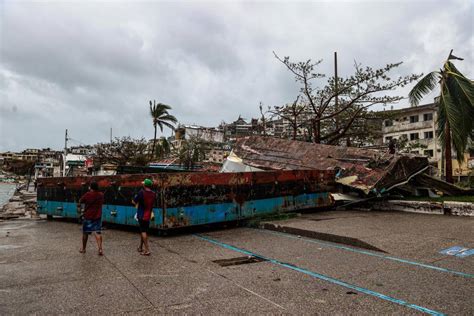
189	199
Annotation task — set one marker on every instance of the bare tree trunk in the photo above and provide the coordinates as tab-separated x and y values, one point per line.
447	154
348	142
313	125
317	132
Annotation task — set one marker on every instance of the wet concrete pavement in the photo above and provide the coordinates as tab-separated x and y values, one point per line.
41	270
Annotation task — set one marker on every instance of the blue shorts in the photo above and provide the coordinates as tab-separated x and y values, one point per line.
92	225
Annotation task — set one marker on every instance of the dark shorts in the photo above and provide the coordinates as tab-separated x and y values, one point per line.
143	225
92	225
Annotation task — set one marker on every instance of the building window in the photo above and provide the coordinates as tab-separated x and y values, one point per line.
388	123
414	152
428	117
429	135
413	118
428	153
388	139
414	136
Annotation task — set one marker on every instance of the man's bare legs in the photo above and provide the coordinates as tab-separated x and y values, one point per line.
144	243
140	248
84	243
98	239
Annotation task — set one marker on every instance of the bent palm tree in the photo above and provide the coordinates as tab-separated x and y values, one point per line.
455	109
161	117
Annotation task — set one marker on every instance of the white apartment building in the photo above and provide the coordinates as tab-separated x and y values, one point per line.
417	125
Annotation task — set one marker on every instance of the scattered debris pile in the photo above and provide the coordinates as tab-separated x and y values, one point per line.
21	205
367	171
424	182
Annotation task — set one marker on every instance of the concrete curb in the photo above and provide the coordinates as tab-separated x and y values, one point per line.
459	208
426	207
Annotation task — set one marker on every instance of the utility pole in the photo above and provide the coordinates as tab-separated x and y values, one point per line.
111	135
336	99
335	79
65	154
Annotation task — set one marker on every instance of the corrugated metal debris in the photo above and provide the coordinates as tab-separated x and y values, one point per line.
366	170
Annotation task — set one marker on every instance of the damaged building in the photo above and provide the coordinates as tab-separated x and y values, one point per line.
365	171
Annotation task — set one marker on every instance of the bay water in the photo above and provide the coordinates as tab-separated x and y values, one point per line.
6	192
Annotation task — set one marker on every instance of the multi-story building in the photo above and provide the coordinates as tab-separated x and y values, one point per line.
217	155
208	134
216	150
86	150
7	156
238	128
416	126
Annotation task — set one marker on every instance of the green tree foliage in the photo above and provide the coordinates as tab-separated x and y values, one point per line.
19	167
122	151
163	148
161	117
406	146
292	114
192	151
455	126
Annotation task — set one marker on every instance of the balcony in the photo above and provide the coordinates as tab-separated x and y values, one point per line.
425	141
407	126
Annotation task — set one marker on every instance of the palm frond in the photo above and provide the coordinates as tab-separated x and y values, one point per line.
160	124
167	125
163	106
169	118
464	88
423	87
455	114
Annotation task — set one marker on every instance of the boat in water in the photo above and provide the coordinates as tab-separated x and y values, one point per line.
196	198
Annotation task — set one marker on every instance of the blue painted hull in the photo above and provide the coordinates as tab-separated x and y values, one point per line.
183	201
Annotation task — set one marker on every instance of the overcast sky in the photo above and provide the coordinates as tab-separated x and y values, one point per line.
90	66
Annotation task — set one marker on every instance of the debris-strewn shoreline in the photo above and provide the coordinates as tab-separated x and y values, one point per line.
21	205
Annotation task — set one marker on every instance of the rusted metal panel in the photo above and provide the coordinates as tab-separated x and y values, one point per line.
362	169
187	199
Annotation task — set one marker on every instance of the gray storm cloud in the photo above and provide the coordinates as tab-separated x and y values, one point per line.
90	66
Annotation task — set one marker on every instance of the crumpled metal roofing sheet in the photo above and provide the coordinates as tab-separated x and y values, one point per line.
367	170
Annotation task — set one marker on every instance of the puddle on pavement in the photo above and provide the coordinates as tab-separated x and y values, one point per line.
7	247
15	226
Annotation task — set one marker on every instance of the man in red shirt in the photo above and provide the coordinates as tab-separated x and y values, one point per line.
144	202
93	200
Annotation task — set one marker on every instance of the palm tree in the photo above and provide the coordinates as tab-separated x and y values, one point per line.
455	109
161	117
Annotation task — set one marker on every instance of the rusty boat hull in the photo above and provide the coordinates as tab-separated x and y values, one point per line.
190	199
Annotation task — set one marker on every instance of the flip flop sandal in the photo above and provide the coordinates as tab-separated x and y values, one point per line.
145	253
139	249
101	252
82	251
